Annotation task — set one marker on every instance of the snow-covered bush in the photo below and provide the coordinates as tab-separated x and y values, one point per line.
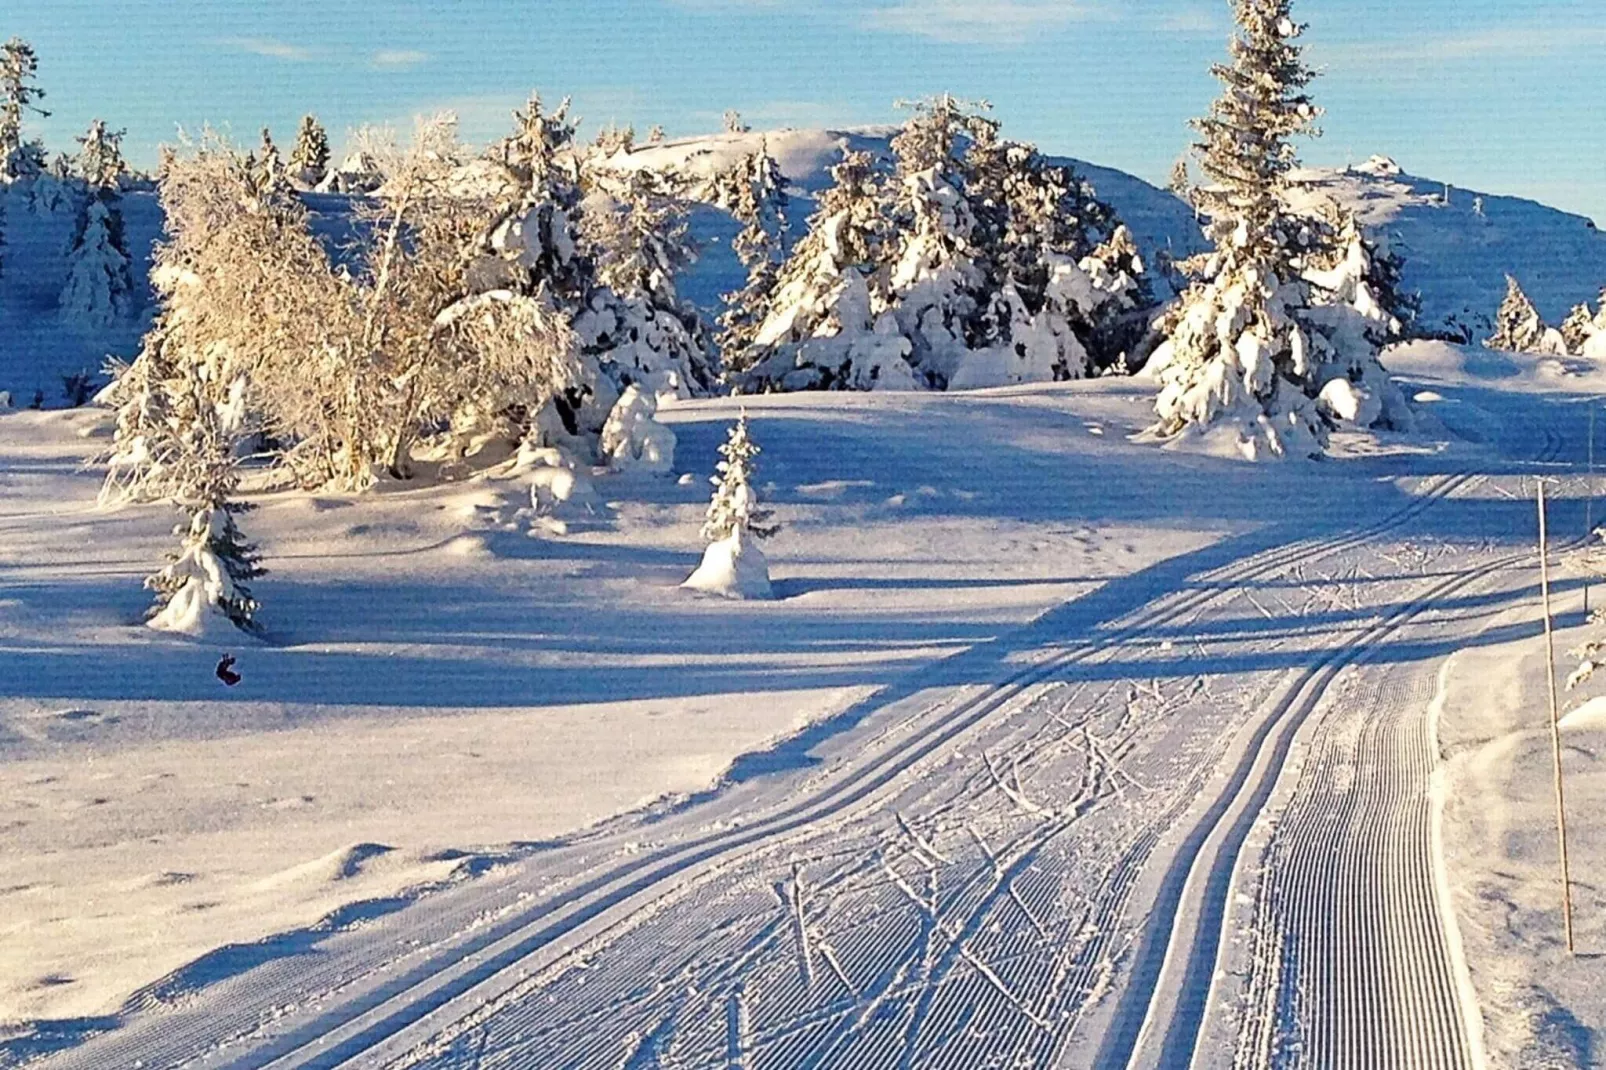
632	440
733	565
1262	330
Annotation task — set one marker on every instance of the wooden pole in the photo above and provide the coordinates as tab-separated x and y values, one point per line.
1589	497
1555	723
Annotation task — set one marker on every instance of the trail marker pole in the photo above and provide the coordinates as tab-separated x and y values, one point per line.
1555	722
1589	497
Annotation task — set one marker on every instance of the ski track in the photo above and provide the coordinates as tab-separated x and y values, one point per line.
1011	874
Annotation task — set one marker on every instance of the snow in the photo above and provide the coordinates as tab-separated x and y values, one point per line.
632	440
733	567
1541	1006
453	707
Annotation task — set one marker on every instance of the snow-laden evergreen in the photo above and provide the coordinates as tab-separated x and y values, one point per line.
99	289
1584	332
937	278
733	565
754	193
1254	341
204	591
100	157
968	265
820	329
270	171
1519	328
19	95
309	156
633	319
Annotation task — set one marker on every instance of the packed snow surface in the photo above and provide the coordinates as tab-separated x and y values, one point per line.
1115	700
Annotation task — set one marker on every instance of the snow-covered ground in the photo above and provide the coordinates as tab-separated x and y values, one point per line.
435	680
1087	715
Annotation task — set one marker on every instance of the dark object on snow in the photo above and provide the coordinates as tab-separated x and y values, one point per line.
225	670
78	388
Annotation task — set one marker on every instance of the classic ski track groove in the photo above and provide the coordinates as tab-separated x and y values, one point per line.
457	974
1431	1033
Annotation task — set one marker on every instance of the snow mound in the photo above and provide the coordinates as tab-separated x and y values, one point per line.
195	612
733	567
1349	404
632	440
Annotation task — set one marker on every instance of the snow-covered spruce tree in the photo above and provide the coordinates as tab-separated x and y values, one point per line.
100	157
1584	332
655	134
938	281
734	123
1245	356
1065	292
634	321
732	564
270	164
205	584
309	156
612	140
754	193
1578	328
99	290
1518	327
821	328
1181	182
19	69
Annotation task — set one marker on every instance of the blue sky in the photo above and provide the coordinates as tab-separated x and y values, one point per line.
1497	96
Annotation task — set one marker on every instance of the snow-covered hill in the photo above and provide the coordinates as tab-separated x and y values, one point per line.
1458	251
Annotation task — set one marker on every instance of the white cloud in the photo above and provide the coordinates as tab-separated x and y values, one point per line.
398	58
269	47
1512	42
1194	20
979	21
